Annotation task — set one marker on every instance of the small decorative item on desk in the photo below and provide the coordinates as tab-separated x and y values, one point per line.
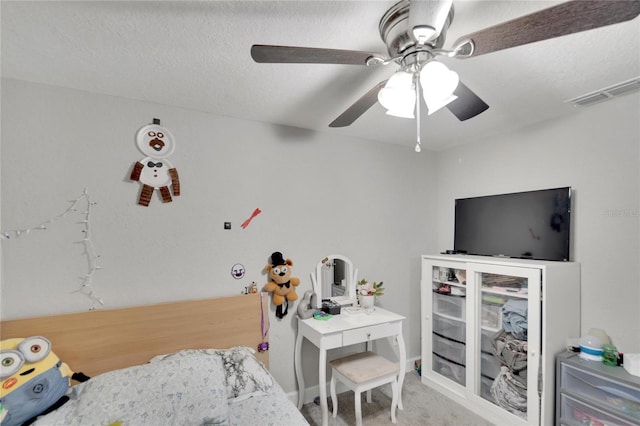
367	293
331	307
306	307
323	316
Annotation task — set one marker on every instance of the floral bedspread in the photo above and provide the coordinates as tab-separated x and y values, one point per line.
185	388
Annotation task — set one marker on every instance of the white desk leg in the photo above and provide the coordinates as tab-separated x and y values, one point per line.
298	366
369	349
403	367
322	377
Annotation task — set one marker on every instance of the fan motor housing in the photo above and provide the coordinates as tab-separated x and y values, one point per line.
395	31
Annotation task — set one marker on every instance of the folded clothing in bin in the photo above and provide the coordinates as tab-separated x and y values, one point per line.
514	318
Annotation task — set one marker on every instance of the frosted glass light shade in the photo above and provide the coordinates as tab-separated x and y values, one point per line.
435	104
438	84
404	112
398	96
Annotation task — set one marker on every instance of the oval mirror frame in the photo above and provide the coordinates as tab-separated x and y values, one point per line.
321	288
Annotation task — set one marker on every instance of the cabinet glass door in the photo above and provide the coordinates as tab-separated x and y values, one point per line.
507	360
449	325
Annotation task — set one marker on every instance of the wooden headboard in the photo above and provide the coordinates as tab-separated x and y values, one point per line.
94	342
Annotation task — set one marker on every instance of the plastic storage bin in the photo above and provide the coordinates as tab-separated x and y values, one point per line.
449	327
576	413
486	341
615	395
449	369
485	388
449	349
491	316
452	306
489	365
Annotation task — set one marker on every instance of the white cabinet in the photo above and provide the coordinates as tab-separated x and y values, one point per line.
531	308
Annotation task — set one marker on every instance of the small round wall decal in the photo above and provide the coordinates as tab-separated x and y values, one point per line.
237	271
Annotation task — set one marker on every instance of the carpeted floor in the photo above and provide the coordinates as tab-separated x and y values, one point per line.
422	407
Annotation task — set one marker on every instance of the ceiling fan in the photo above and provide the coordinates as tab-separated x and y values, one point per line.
414	32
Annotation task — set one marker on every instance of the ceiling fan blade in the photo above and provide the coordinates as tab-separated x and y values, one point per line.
309	55
468	104
567	18
352	113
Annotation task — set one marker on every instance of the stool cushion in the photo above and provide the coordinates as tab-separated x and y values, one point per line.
364	366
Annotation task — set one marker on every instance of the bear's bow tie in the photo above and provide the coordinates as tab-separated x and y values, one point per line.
287	284
152	164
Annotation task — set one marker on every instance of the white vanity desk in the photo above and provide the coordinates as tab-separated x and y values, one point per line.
343	330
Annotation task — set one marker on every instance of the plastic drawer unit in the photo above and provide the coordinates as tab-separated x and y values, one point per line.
492	316
489	365
486	340
485	388
449	349
451	306
589	392
449	369
451	328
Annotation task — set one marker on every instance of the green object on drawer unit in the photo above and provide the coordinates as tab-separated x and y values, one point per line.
610	355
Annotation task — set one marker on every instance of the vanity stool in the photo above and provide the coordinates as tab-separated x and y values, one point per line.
362	372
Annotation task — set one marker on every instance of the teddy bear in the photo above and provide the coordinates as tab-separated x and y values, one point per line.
282	283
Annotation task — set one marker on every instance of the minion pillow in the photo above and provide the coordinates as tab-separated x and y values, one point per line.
33	379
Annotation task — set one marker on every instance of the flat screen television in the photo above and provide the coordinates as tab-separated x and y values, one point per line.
525	225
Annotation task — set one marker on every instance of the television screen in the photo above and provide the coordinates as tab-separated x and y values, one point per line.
529	225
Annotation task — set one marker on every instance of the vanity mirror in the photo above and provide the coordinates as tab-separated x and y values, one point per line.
335	278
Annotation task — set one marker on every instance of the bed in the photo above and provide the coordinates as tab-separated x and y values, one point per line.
182	363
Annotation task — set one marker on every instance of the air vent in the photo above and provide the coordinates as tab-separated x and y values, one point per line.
606	93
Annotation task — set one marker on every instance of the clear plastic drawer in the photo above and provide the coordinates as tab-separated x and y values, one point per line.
491	316
486	340
449	349
574	412
485	388
452	306
617	396
449	327
489	365
449	369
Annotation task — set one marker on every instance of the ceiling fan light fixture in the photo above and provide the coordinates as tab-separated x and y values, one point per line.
438	84
400	80
399	96
398	102
403	112
435	104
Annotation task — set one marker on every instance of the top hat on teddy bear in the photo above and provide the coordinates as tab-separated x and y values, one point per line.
277	259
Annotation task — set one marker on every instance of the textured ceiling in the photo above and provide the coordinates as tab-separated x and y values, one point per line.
196	55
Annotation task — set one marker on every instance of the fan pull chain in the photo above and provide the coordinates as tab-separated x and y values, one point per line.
418	147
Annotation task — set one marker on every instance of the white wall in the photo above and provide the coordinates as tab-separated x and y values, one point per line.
596	152
319	194
382	205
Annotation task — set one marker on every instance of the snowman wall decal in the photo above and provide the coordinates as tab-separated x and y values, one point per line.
155	171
